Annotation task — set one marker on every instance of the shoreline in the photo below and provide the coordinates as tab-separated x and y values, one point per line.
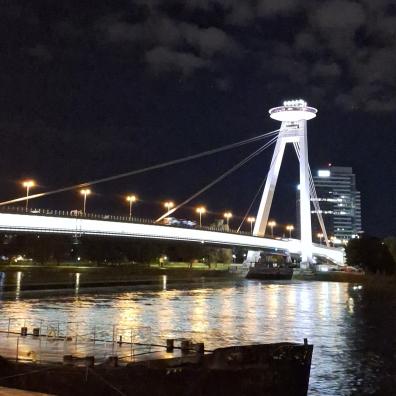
81	279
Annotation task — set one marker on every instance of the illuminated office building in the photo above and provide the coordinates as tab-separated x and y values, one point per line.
339	202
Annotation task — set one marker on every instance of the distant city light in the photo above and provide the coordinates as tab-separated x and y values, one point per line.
324	173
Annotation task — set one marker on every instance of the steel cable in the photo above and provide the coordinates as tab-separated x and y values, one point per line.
143	170
218	179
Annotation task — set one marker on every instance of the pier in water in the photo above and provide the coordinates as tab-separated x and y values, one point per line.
353	340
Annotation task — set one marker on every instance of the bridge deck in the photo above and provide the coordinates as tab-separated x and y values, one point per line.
45	222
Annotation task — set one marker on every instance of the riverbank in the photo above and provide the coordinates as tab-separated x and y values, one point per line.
330	276
28	277
33	278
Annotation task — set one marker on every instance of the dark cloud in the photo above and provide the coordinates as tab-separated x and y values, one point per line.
278	7
339	15
208	41
335	41
160	78
326	70
241	14
163	59
306	42
40	52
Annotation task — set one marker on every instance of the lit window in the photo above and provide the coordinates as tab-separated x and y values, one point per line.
323	173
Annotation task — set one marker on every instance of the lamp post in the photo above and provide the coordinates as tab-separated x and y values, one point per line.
290	228
169	205
200	210
85	192
28	184
131	199
228	216
272	224
320	236
251	220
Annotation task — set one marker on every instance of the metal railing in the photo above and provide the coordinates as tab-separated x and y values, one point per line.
24	339
43	341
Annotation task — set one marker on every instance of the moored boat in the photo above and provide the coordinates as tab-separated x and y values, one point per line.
267	370
264	272
271	266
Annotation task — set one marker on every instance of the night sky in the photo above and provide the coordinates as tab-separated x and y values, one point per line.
91	89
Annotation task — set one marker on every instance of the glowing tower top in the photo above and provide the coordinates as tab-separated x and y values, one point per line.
293	110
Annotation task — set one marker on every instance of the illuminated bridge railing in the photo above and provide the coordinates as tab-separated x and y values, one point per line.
106	217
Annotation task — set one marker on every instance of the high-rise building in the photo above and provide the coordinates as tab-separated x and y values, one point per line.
339	202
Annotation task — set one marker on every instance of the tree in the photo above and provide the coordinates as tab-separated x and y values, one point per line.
370	253
390	242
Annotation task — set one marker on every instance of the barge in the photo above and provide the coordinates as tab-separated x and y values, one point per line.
271	266
278	369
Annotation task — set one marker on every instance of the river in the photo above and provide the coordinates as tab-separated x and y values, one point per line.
354	340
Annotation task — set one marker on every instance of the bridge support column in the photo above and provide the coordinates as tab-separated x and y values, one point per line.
294	116
305	200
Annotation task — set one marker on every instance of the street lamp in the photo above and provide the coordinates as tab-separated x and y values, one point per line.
131	199
272	224
85	192
228	216
251	220
290	228
28	184
320	236
169	205
200	210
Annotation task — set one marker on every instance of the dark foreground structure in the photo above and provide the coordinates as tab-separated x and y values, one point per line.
270	369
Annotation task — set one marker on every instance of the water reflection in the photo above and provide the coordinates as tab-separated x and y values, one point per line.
77	283
330	315
18	284
2	282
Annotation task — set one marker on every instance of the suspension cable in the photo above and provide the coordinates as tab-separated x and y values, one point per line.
255	197
314	197
257	193
317	207
218	179
143	170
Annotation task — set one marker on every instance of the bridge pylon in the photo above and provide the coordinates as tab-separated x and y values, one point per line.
293	115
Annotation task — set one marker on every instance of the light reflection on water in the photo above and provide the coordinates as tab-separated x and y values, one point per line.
228	314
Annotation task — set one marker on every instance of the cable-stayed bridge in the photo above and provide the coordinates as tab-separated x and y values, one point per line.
63	222
293	116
